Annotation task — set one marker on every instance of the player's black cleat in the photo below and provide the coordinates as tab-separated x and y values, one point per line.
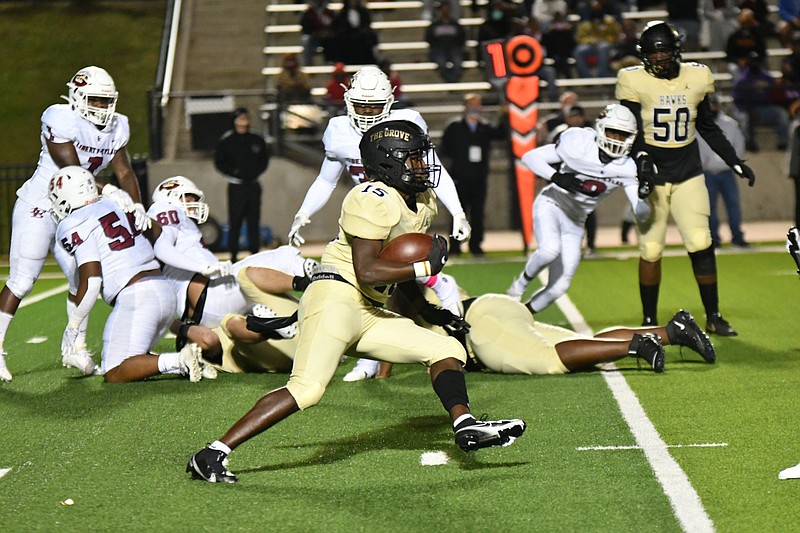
716	325
648	346
682	330
210	465
485	433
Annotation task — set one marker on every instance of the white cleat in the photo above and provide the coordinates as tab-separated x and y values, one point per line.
364	369
82	360
189	360
5	375
208	371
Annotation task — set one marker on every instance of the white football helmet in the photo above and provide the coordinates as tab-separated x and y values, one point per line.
368	86
71	188
175	190
617	118
92	83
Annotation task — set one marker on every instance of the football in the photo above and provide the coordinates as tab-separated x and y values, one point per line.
408	248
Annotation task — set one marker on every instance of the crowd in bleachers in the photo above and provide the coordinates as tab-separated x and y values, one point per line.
582	40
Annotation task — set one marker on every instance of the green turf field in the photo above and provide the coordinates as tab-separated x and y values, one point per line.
353	462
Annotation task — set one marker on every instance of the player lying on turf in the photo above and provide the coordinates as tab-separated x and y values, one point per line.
342	308
111	253
504	338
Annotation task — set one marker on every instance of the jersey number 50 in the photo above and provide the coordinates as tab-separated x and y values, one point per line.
671	125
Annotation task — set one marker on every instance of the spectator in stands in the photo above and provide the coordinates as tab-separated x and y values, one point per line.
559	42
625	51
719	17
720	179
465	150
356	41
685	16
292	83
497	23
585	8
596	38
789	13
745	40
761	10
446	38
335	88
547	129
316	29
396	82
546	11
242	156
754	95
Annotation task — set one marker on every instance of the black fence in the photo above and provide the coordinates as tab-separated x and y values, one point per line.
11	178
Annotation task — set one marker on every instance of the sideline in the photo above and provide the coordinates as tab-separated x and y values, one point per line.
685	502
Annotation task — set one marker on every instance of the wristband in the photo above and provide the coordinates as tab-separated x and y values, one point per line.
431	281
422	268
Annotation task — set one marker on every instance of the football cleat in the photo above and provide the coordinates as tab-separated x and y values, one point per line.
486	433
648	346
309	267
717	325
189	361
682	330
5	375
210	465
364	369
81	359
207	371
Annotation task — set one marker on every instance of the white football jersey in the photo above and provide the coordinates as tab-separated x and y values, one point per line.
188	239
102	232
95	147
576	151
341	141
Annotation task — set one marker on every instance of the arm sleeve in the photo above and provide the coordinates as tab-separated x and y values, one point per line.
641	208
321	190
713	135
636	109
82	310
540	160
446	190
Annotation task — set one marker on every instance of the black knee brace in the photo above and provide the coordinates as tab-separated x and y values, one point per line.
704	262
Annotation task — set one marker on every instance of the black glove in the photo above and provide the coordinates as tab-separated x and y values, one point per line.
793	245
267	326
568	181
646	171
745	172
438	254
300	283
433	314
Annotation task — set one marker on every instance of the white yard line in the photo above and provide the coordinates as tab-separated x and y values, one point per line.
4	471
683	498
633	447
30	300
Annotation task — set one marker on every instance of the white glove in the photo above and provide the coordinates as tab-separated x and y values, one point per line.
119	197
223	268
140	218
446	290
68	341
300	220
461	228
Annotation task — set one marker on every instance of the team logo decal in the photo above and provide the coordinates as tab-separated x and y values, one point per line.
79	80
38	213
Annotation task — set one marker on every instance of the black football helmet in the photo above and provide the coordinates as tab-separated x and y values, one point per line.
397	152
659	36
